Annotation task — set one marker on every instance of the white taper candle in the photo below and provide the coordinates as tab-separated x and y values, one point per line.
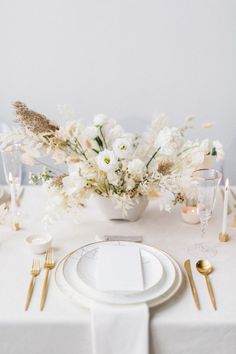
225	210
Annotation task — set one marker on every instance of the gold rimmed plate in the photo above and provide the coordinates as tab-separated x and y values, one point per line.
82	296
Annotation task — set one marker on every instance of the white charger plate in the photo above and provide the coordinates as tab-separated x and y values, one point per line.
86	298
70	275
151	268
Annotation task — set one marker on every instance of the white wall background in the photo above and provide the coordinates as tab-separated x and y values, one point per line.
125	58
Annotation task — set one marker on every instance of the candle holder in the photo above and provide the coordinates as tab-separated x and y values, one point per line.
189	212
189	215
224	237
15	226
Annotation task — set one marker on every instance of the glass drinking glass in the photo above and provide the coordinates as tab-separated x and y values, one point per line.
207	182
11	158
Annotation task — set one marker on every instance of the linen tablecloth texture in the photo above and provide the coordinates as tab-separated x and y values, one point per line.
176	327
120	329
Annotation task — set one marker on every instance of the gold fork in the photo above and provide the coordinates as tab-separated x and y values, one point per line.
48	265
34	273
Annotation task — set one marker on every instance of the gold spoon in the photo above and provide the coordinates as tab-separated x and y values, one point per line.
204	267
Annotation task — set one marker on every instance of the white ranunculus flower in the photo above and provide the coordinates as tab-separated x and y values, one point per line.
123	148
135	167
73	183
106	160
100	119
219	149
169	140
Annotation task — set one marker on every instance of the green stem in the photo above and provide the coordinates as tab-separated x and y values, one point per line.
192	147
103	138
153	157
77	149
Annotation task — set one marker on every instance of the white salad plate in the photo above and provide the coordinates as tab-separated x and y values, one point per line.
69	283
87	265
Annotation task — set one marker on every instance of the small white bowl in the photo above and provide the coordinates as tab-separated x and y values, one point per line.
39	244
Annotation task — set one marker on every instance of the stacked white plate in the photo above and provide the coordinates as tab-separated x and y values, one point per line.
75	276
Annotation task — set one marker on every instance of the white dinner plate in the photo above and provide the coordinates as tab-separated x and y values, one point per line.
82	299
69	270
70	274
151	268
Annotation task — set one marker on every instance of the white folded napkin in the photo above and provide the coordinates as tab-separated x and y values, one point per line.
120	329
119	268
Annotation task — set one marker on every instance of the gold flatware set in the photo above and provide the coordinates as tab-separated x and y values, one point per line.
34	273
187	266
49	264
204	267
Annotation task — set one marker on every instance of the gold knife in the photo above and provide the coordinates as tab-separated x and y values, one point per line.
187	266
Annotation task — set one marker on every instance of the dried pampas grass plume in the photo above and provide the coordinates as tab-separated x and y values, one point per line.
36	123
208	125
189	118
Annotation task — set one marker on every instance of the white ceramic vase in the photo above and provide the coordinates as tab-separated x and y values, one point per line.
111	212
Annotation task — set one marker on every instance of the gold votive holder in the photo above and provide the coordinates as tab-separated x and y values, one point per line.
15	226
224	237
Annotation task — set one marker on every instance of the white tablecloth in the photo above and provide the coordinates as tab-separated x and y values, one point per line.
176	327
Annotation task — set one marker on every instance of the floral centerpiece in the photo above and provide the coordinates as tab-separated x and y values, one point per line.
104	160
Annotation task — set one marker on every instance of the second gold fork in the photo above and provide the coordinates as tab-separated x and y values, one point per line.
48	265
34	273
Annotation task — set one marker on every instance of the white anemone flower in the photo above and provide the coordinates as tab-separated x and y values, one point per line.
123	148
106	160
73	183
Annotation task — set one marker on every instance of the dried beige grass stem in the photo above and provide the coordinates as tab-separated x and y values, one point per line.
36	123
